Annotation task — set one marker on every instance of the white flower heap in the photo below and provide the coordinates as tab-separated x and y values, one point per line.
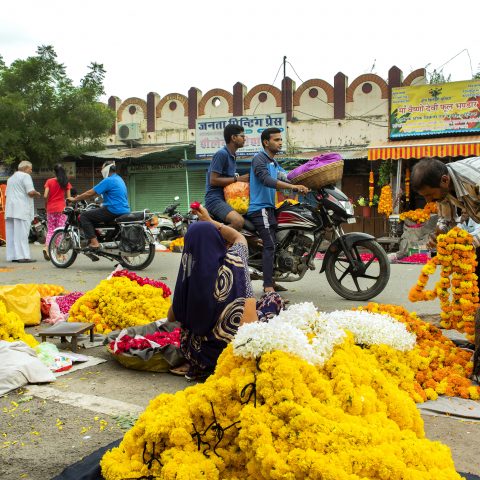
311	335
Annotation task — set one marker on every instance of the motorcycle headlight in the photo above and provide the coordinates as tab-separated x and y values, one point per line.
348	207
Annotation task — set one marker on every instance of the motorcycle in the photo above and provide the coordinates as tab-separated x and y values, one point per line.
68	241
355	265
172	224
38	227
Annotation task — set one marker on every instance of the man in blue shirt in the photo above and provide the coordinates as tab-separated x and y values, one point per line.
223	172
115	202
266	176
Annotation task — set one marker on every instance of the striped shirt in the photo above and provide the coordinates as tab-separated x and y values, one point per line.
465	175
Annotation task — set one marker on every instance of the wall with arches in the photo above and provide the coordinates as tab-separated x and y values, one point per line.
319	113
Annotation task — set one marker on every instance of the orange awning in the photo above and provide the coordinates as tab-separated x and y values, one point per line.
465	146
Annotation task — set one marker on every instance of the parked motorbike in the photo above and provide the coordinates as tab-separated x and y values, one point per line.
68	241
38	227
356	266
172	224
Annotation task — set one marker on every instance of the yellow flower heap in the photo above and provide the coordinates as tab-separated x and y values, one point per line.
49	290
278	416
120	303
178	242
420	215
457	258
12	328
385	204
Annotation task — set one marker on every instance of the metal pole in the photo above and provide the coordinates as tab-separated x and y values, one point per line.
398	185
186	177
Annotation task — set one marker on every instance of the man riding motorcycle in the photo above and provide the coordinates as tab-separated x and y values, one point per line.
115	203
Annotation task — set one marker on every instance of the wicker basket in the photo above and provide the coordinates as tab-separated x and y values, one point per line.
321	176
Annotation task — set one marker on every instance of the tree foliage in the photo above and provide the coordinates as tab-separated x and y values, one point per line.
44	116
438	77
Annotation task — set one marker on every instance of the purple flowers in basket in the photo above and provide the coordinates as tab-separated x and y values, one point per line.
314	163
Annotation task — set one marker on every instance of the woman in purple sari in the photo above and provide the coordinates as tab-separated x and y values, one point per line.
213	294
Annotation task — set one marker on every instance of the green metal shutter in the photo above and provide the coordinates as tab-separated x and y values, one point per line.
157	189
196	186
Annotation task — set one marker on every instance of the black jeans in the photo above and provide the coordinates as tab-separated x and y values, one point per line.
92	217
266	226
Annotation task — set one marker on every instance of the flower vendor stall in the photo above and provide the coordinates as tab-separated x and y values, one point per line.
307	395
457	288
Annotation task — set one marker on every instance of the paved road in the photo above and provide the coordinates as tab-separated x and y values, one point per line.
84	275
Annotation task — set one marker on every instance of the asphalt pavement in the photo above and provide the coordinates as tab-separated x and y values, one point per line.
84	275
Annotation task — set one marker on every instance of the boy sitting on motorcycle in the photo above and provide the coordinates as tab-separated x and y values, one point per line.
264	180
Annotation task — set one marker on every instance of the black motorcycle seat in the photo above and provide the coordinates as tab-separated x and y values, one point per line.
249	225
131	217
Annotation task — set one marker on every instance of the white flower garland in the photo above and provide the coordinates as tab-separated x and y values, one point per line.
372	328
302	331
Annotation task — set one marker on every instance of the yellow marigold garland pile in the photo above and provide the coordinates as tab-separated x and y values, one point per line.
434	367
385	204
120	303
457	288
12	328
420	215
280	417
178	242
49	290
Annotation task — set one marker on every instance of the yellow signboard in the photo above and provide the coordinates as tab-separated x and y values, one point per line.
443	108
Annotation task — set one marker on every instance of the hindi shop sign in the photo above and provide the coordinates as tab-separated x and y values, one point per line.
443	108
209	132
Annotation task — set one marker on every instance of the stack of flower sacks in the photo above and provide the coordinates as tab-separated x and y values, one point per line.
121	302
307	395
237	195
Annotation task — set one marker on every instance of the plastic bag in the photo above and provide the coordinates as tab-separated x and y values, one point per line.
237	195
50	356
24	300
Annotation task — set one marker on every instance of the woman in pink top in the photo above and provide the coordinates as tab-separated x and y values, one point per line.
56	189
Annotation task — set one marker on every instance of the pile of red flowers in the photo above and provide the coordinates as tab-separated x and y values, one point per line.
144	281
153	340
65	302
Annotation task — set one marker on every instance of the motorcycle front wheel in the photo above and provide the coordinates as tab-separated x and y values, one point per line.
138	261
60	250
365	278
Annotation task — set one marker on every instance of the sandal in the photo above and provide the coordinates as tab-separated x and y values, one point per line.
46	256
181	371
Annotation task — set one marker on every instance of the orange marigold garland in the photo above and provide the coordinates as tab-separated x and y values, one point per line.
385	204
457	288
420	215
370	189
440	367
407	185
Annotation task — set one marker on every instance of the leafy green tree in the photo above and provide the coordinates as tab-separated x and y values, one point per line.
44	116
438	77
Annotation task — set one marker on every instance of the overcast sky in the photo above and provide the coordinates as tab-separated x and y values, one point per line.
168	46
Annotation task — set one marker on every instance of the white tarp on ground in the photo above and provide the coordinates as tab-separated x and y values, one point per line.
453	407
20	365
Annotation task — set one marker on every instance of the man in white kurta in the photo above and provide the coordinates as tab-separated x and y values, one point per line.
19	213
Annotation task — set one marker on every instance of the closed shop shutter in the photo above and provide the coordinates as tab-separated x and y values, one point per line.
156	190
196	186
